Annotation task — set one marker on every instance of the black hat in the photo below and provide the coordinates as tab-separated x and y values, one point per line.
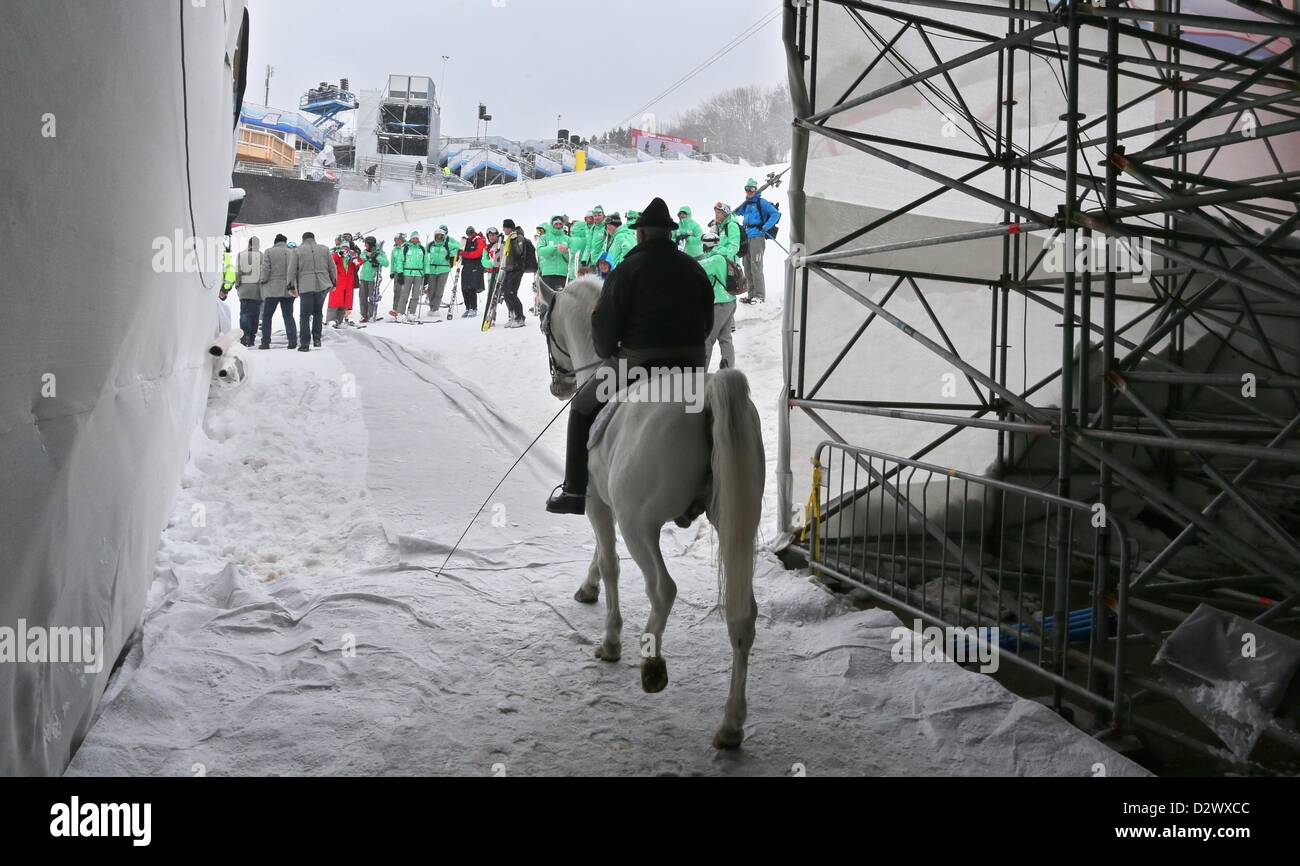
279	239
656	216
507	224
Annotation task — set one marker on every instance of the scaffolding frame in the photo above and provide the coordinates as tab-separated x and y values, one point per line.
1224	264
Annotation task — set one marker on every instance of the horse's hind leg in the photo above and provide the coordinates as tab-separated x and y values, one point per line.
741	632
643	544
606	565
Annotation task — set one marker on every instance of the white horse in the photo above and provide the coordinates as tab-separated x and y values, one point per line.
652	463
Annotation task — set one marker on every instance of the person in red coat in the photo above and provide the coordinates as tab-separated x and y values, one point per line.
347	259
471	270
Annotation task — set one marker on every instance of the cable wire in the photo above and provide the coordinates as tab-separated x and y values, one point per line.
745	35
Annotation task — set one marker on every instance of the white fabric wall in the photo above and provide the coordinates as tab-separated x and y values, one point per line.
90	472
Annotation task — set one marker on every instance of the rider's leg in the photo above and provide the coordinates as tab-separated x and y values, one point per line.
571	499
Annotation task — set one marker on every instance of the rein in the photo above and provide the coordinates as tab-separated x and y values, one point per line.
558	371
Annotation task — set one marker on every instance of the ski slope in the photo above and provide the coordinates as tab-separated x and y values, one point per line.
298	624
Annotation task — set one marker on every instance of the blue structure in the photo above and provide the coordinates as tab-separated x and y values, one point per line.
290	122
329	101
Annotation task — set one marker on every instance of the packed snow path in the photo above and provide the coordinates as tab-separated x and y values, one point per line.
300	627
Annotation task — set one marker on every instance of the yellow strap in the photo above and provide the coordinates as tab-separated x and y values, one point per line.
812	513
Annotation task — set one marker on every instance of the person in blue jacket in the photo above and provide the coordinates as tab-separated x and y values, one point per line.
758	216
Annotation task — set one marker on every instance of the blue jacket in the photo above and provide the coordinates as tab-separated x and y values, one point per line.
760	217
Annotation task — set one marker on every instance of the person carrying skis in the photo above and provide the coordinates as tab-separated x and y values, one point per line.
688	233
655	310
471	271
491	256
440	259
373	262
249	275
522	259
758	216
553	255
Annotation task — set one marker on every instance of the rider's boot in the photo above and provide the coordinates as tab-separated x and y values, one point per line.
571	497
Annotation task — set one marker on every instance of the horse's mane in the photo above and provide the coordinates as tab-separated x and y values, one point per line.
584	291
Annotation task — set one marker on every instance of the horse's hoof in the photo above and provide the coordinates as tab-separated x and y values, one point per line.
587	595
728	740
654	675
609	653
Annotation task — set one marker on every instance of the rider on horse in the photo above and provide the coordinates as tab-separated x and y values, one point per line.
655	310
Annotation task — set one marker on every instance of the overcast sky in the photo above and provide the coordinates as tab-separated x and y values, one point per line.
595	62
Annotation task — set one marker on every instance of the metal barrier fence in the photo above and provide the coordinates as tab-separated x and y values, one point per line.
963	551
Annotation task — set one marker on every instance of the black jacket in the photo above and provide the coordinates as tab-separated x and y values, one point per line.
658	303
519	258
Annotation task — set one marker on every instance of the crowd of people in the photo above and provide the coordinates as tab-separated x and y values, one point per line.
330	283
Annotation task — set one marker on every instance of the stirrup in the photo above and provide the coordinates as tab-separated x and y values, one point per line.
563	502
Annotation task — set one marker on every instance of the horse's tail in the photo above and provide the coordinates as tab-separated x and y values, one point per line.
736	505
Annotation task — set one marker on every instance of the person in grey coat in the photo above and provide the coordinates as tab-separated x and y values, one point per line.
277	272
313	276
249	274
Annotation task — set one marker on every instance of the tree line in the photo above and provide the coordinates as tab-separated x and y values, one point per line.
751	122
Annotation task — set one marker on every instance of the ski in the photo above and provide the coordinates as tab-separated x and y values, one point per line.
494	292
451	303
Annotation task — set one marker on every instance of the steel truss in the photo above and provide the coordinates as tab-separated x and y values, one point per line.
1225	262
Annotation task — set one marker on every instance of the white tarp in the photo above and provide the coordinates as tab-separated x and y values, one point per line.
103	369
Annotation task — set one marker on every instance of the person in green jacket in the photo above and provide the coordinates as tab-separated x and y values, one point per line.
578	238
440	258
688	233
596	238
553	254
624	239
408	300
228	274
493	246
721	251
373	262
395	267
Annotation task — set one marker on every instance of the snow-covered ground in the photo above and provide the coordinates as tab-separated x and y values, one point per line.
298	623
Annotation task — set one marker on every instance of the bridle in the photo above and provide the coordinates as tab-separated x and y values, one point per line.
559	372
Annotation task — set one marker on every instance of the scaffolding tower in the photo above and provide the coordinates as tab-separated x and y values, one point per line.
408	121
1077	220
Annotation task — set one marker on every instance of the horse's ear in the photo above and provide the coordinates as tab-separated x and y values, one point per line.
548	293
